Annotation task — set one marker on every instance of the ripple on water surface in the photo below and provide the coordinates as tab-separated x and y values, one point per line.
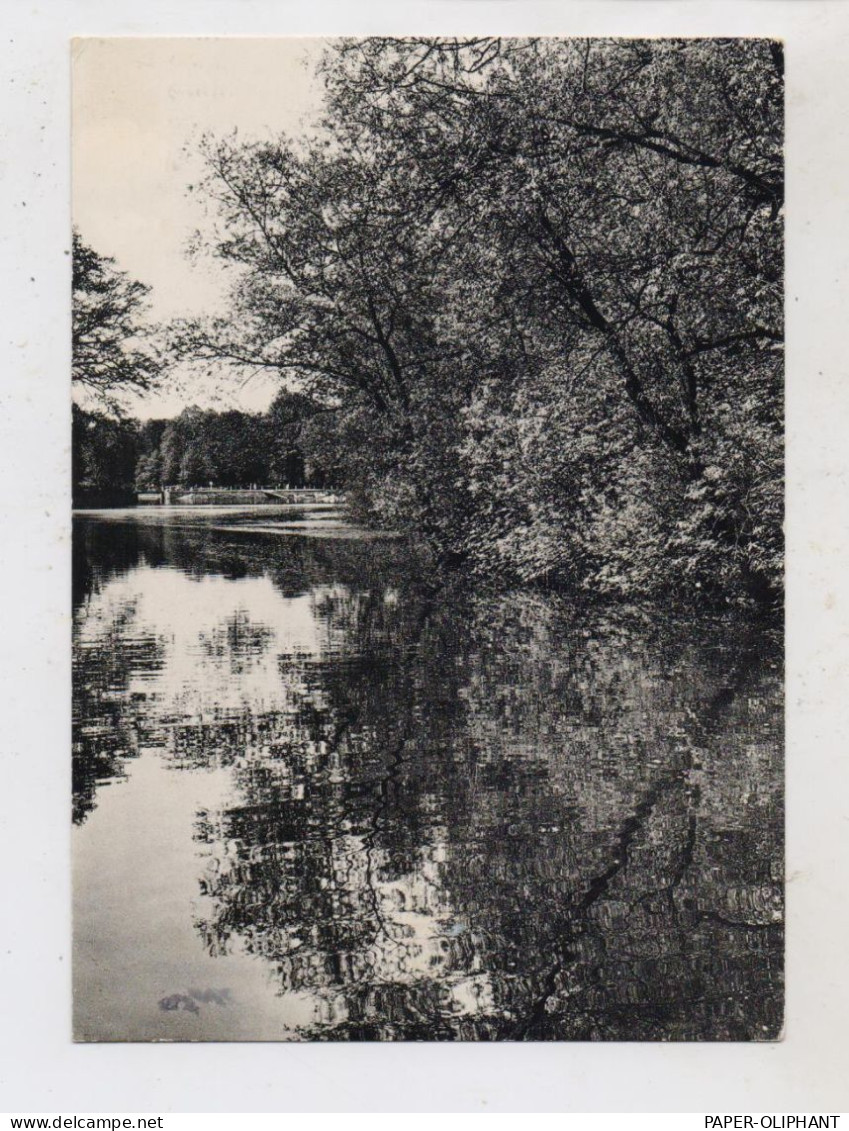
312	800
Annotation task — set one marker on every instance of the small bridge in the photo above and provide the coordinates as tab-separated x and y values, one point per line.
301	495
229	496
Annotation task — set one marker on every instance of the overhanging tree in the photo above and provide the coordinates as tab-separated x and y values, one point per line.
490	233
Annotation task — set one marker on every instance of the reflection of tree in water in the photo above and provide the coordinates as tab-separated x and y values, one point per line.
664	882
110	649
489	818
238	640
200	545
101	551
500	822
106	724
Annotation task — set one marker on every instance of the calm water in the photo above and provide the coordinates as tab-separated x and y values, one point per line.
317	797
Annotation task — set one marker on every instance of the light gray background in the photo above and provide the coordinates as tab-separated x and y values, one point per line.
40	1070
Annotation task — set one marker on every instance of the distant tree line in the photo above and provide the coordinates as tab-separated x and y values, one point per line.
540	285
115	456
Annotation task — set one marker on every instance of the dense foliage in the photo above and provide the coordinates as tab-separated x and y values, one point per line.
536	287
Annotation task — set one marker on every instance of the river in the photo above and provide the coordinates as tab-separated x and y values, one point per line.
319	796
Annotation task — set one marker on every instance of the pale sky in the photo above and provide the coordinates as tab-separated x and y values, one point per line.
139	107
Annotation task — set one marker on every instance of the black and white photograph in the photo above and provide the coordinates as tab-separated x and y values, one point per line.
428	553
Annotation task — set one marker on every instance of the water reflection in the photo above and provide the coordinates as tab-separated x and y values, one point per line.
434	816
